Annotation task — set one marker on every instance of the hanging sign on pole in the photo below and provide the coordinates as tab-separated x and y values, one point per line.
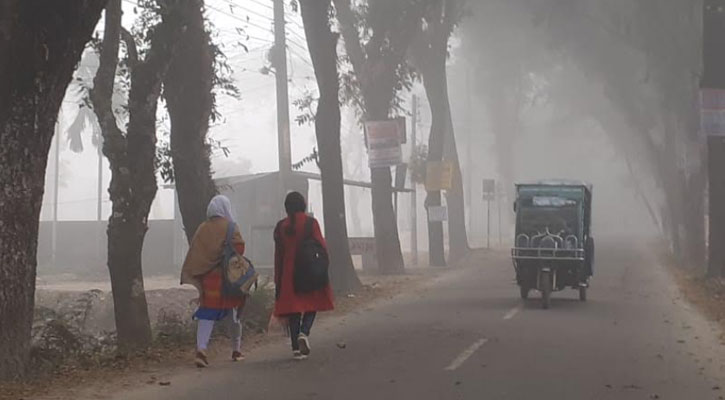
438	176
383	142
489	189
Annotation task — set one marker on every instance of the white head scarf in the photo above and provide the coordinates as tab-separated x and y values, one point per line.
220	206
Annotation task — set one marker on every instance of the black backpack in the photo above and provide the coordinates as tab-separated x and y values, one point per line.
311	263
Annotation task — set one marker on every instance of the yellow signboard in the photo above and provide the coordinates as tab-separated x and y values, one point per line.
438	176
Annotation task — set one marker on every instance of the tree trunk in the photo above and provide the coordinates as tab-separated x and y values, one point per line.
430	53
385	222
714	78
695	220
189	98
457	235
376	72
433	81
323	52
132	159
40	44
387	240
716	213
125	229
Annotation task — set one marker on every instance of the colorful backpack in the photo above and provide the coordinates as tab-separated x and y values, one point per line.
238	273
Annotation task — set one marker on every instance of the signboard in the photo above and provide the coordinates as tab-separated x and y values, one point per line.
365	247
383	141
438	176
712	112
437	214
551	201
362	245
489	189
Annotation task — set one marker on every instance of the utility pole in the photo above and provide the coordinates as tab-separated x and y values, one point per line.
279	59
713	107
414	194
499	200
469	147
488	223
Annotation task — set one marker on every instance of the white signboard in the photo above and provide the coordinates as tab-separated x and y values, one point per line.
437	214
548	201
360	246
489	189
383	141
712	112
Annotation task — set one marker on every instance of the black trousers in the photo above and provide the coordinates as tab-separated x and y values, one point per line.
300	323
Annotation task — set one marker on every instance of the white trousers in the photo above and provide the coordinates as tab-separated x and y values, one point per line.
205	327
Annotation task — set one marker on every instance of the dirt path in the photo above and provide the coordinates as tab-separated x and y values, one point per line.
166	360
468	335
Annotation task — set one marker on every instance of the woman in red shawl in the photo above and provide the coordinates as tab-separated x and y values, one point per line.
300	309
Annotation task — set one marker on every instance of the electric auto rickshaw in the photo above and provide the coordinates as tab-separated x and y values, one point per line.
553	247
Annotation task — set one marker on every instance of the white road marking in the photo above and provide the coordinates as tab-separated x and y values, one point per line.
512	313
465	355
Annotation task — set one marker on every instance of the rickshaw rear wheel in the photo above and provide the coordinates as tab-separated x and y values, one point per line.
582	294
545	289
524	292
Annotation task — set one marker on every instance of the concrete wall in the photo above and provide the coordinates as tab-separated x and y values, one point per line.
81	247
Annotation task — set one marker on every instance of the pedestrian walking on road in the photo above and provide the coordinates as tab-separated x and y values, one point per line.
202	269
300	273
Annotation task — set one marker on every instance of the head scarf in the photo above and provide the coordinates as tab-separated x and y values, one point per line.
220	206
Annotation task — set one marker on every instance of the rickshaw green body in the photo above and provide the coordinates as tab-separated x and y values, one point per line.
553	246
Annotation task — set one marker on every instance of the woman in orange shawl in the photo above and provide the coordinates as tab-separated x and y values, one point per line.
202	269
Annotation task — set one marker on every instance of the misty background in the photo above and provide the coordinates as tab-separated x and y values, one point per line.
501	55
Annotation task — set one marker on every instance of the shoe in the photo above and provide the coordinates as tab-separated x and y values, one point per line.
237	356
201	361
304	343
298	356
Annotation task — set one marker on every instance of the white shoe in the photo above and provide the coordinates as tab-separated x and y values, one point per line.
304	343
298	356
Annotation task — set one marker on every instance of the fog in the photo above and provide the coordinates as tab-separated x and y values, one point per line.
231	173
527	104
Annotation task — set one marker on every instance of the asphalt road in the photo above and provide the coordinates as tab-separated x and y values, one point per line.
469	336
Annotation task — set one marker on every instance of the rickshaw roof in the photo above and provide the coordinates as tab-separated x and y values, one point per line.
575	190
562	183
569	189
